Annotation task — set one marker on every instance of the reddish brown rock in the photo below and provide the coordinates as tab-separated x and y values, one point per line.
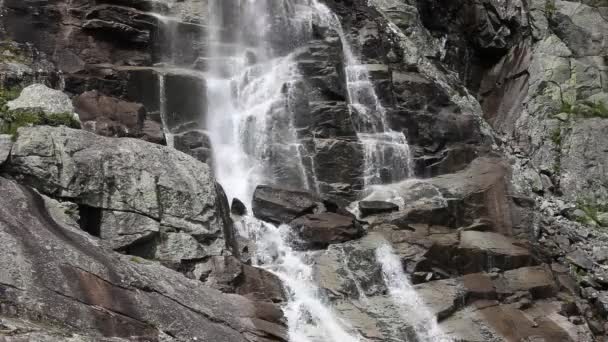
321	230
109	116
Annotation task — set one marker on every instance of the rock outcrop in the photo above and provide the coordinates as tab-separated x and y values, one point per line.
54	272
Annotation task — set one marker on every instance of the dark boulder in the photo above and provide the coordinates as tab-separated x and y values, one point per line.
279	205
238	207
195	143
376	207
321	230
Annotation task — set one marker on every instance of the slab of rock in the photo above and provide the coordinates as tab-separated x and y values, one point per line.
479	286
124	229
109	116
119	174
6	143
580	259
62	274
376	207
51	101
536	280
480	251
321	230
178	247
278	205
230	275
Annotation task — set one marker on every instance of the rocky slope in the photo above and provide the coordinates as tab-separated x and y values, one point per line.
109	235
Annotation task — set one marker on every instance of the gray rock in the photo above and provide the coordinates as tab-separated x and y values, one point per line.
119	174
600	253
580	259
584	160
178	247
6	143
40	96
125	229
62	275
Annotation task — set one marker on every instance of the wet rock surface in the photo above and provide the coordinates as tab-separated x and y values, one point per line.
321	230
502	102
376	207
279	205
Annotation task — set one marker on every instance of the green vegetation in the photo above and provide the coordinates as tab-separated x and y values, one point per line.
592	210
12	120
11	52
7	95
137	259
556	136
585	109
550	7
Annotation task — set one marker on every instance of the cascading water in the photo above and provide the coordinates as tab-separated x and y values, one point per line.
403	293
249	91
254	141
387	152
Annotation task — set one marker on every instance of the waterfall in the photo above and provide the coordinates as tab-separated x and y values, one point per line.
250	85
249	64
249	88
403	293
309	317
163	109
387	152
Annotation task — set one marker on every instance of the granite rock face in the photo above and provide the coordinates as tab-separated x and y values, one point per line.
144	199
62	275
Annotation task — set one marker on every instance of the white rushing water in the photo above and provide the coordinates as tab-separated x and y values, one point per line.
413	309
387	153
251	127
255	142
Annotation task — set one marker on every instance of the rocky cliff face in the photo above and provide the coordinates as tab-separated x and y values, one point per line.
501	225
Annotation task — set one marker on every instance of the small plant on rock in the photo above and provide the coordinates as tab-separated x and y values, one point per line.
592	210
11	121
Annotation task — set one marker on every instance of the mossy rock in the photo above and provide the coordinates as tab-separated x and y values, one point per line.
12	120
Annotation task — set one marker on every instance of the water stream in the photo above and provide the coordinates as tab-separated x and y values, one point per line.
250	82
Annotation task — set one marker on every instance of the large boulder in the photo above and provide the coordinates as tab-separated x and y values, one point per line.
143	199
278	205
119	174
323	229
60	278
40	96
